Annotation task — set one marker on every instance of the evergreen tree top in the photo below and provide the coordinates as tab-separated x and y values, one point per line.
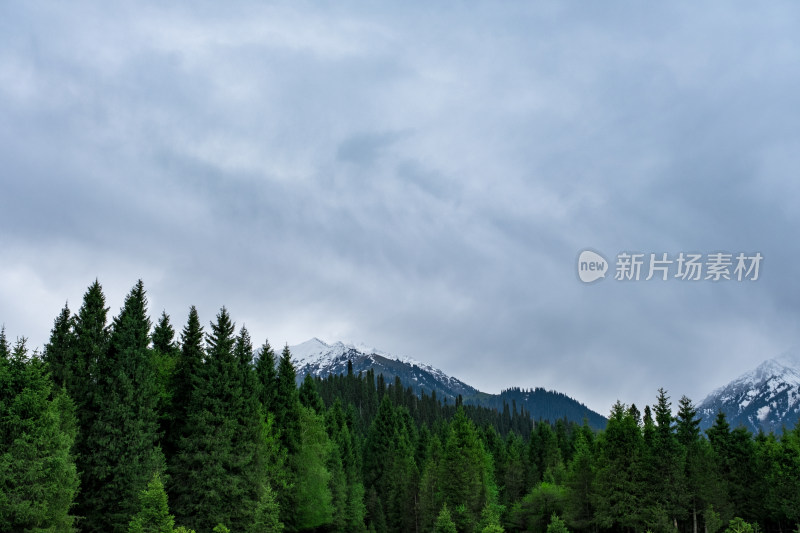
4	351
131	329
164	334
221	340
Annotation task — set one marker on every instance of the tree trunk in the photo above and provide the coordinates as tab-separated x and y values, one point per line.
694	519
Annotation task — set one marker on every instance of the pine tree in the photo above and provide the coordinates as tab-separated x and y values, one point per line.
58	351
287	410
688	435
312	493
444	522
124	434
185	377
666	483
287	404
165	354
467	469
267	376
618	483
352	514
556	525
267	515
514	470
220	469
153	514
580	482
38	478
403	479
309	397
89	345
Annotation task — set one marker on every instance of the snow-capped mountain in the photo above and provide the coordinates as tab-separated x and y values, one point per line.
767	397
320	359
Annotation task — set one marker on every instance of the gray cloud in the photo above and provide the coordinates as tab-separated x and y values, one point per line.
417	178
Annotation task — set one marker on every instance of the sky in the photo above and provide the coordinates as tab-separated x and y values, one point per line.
419	177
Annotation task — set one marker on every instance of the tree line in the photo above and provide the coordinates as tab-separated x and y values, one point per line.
124	426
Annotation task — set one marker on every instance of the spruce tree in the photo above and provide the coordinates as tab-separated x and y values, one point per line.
220	469
309	397
38	478
287	404
58	351
619	485
444	522
89	345
667	483
165	354
378	450
267	376
312	477
688	435
580	481
153	513
125	431
351	516
199	474
185	377
287	419
466	471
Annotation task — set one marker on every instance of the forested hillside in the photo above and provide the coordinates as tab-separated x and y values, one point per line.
124	425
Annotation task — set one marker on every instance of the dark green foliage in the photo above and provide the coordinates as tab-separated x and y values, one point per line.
579	508
267	376
220	469
247	449
287	411
124	434
347	490
466	472
89	345
287	404
309	397
165	355
58	353
619	486
534	511
38	478
186	375
664	475
312	493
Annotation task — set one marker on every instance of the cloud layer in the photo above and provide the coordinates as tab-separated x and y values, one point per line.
420	178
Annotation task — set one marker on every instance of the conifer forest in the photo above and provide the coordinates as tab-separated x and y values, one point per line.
129	423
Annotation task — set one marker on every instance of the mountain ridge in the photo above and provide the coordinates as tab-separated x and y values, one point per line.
321	359
766	397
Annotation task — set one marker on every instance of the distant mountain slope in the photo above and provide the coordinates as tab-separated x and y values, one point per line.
320	359
543	404
767	397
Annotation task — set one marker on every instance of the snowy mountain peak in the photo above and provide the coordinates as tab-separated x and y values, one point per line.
317	352
766	397
321	359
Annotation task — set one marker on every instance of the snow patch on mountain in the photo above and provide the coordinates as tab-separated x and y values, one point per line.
767	397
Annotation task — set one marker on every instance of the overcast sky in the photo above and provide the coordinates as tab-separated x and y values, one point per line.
416	176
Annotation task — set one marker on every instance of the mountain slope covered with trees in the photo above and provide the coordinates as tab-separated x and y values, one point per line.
124	426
